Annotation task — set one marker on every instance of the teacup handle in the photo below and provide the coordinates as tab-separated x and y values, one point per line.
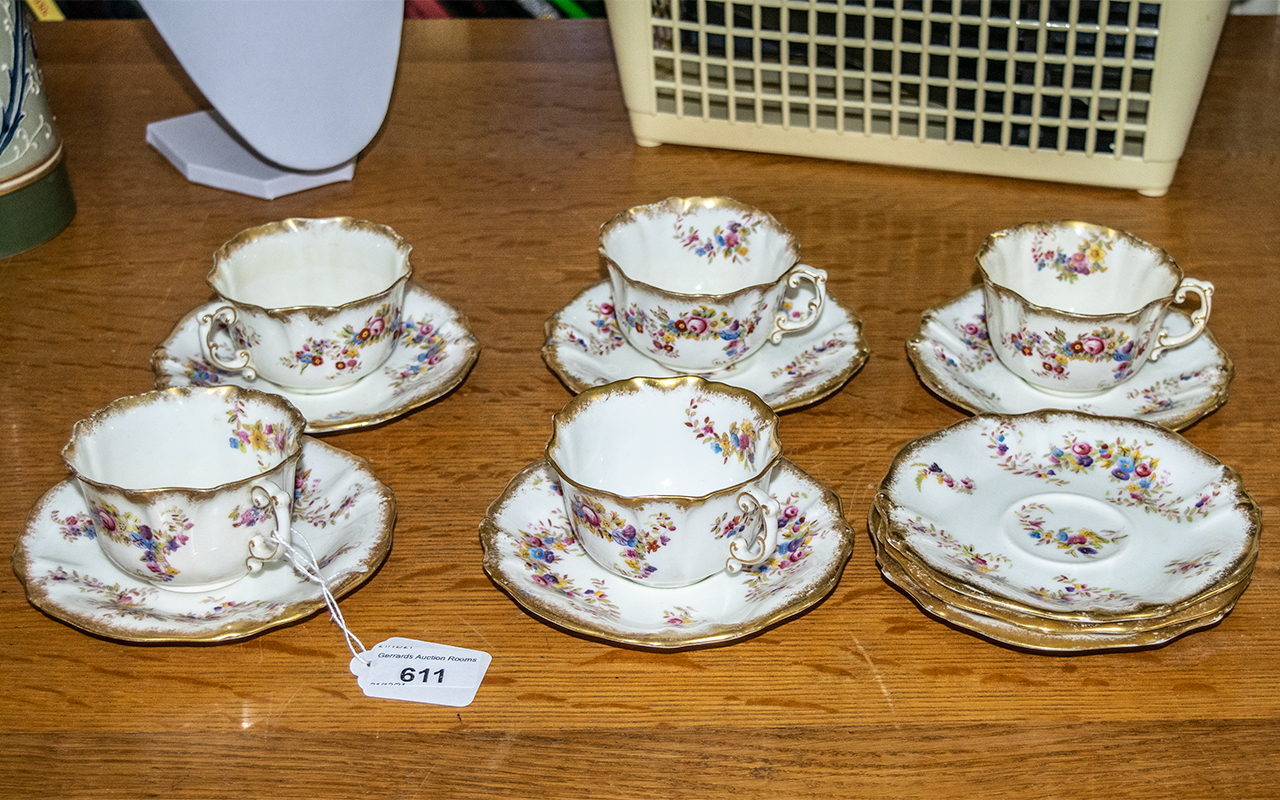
782	323
262	548
751	500
1201	289
224	317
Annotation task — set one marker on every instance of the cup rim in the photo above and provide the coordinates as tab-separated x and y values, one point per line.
594	394
993	240
677	204
84	427
294	224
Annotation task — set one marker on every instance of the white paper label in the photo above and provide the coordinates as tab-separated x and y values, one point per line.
421	672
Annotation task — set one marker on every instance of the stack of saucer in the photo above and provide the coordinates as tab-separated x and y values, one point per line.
1062	531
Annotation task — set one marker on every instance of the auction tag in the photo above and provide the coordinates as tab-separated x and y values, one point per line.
421	672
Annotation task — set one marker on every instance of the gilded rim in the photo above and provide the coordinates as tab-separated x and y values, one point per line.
955	594
827	388
86	426
926	375
1239	571
723	633
1129	316
999	631
21	562
318	426
295	225
684	205
579	404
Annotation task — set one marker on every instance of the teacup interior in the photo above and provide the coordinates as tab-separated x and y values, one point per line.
313	265
196	441
715	250
1081	268
684	441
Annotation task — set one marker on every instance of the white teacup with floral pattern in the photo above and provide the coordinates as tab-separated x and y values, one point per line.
666	481
1075	308
189	489
700	283
311	305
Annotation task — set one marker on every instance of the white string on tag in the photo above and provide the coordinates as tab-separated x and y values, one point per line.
307	564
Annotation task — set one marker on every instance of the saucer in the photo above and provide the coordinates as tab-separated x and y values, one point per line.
953	356
584	348
529	551
1049	642
1070	517
345	512
435	353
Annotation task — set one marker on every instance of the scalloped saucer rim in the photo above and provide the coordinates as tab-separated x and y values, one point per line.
110	603
783	387
519	532
374	399
1145	396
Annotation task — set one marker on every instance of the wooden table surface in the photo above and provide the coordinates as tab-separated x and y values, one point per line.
506	147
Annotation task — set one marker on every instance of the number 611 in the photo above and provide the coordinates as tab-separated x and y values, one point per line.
409	674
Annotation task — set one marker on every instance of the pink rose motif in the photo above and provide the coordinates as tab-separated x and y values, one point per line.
377	326
1142	470
606	309
106	520
971	329
1077	259
1081	448
589	515
1093	345
791	512
696	325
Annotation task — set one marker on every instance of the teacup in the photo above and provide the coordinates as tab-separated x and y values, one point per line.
666	481
190	489
700	283
309	305
1075	308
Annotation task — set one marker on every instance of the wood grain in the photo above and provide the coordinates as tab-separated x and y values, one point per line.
506	146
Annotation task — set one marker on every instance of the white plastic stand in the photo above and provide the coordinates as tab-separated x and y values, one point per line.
206	153
298	89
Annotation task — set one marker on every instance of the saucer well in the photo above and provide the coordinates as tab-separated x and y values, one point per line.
530	551
1065	516
952	354
585	348
435	353
345	513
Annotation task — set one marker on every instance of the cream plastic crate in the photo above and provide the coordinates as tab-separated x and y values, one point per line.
1082	91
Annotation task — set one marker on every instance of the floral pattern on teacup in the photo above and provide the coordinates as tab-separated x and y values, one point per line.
701	324
258	437
427	338
739	440
729	241
1089	257
342	350
1073	541
636	544
1134	472
1057	350
312	502
123	527
932	470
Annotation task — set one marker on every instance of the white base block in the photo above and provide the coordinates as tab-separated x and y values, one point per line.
203	151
